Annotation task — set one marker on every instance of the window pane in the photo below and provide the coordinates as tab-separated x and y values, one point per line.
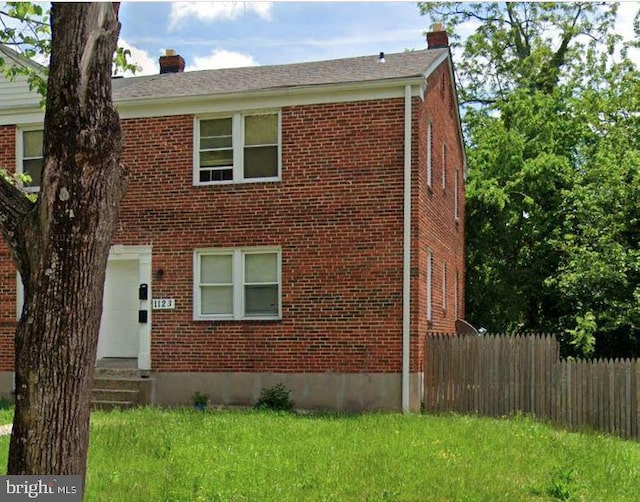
33	168
215	269
261	162
215	142
261	268
222	175
261	130
217	175
261	300
215	127
32	143
216	300
216	158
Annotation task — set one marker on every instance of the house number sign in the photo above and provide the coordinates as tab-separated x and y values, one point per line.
163	303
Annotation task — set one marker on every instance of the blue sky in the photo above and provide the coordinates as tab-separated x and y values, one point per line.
219	34
223	34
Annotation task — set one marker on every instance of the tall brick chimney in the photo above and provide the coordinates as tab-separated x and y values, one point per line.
437	38
171	62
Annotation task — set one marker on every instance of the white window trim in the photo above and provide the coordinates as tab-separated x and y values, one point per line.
444	286
429	285
429	154
456	292
238	283
444	166
237	120
20	151
456	197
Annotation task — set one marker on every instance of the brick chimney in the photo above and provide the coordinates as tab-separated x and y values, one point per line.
437	38
171	62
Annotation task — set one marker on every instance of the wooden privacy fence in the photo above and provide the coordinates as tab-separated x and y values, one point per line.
499	375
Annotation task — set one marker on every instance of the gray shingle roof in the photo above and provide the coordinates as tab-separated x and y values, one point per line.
255	78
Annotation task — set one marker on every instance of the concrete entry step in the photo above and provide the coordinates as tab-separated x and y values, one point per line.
118	383
112	405
117	366
117	363
122	392
124	395
117	373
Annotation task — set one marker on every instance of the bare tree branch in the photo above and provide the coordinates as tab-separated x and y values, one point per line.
521	40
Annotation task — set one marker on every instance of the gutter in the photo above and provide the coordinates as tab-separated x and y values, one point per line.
406	260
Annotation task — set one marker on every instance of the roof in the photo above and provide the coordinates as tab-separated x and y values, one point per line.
403	65
17	59
15	93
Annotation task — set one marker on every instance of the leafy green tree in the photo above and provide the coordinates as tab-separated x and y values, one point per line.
521	45
513	212
25	28
552	201
599	273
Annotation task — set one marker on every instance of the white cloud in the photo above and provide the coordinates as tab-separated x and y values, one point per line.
213	11
221	59
624	21
624	26
140	57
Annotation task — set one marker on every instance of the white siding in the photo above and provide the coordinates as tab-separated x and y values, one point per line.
16	94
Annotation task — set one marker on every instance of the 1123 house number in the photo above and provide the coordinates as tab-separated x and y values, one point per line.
163	303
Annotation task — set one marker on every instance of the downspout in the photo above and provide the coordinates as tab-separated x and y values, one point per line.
406	262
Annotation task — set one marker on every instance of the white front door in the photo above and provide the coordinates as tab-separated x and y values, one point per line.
119	329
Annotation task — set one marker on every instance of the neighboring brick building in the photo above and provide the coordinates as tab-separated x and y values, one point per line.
269	208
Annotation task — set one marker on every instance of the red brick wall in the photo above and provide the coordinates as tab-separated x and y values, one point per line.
7	271
436	226
337	214
7	147
7	309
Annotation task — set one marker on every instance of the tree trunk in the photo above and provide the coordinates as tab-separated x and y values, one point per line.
60	244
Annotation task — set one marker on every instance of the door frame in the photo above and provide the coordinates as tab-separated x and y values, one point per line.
141	254
121	252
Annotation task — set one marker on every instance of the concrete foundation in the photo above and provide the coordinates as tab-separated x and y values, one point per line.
313	391
6	384
319	391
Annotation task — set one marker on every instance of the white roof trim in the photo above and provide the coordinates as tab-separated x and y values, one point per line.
276	97
435	63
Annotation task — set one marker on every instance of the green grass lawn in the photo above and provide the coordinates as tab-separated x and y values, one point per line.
6	411
183	455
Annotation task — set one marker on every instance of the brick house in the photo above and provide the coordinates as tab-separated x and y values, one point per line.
298	223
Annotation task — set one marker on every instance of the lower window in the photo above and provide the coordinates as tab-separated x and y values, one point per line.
237	283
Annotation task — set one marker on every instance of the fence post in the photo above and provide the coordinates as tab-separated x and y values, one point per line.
635	408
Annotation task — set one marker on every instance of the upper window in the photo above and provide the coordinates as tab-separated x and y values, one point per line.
30	156
238	148
429	154
237	284
216	150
